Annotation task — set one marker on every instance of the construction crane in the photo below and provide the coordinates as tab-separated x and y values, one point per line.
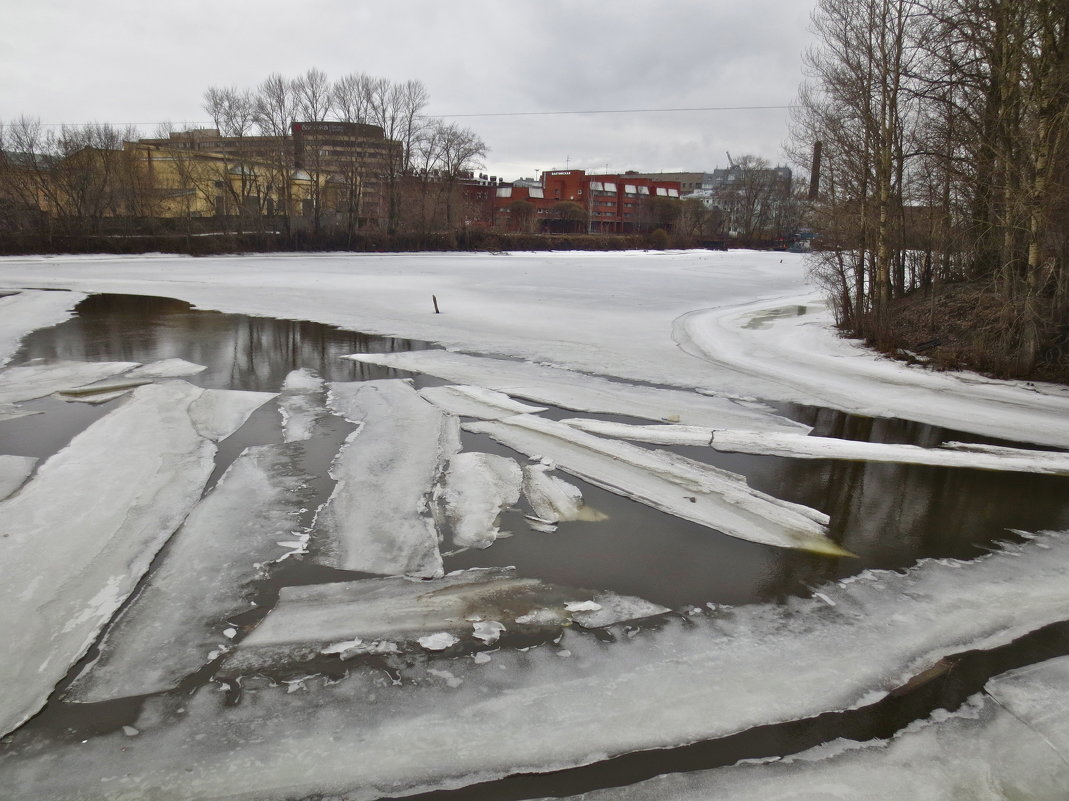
730	162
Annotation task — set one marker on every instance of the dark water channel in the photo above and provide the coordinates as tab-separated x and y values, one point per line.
890	515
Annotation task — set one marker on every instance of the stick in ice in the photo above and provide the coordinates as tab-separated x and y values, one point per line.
78	537
377	518
682	487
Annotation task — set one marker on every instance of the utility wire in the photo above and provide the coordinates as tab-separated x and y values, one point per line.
478	114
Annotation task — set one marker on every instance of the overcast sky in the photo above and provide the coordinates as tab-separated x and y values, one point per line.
124	62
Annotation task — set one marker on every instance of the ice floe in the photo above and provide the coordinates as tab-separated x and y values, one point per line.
477	488
802	446
302	403
28	310
167	368
1007	743
14	470
468	401
377	519
682	487
718	674
179	616
554	500
37	380
75	540
587	393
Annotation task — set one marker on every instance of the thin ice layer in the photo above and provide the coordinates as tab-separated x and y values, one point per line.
681	683
585	393
77	538
477	488
180	615
36	380
14	470
302	403
468	401
1008	743
167	368
655	434
687	489
463	604
377	519
28	310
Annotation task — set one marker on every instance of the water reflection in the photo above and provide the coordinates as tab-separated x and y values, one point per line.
240	352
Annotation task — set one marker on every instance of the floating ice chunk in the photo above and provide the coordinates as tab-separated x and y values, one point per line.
14	470
468	401
302	403
737	668
167	631
10	412
37	380
582	606
608	609
377	519
480	657
554	500
657	435
28	310
218	413
477	488
343	646
488	631
167	368
77	538
438	642
687	489
390	608
585	393
977	457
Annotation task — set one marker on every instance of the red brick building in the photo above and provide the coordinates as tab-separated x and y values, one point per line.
598	203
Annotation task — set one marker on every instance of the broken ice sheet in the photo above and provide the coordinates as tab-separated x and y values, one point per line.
554	500
736	668
570	390
1007	743
477	488
38	379
76	539
28	310
14	470
302	403
479	603
682	487
468	401
377	518
177	619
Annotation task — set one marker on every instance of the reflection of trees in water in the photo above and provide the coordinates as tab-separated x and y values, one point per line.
240	352
892	514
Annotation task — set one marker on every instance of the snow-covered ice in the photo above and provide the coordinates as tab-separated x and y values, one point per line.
802	446
177	619
1007	743
587	393
477	488
14	470
377	520
718	674
28	310
77	538
30	381
468	401
682	487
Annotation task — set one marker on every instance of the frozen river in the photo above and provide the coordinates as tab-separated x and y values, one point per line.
274	529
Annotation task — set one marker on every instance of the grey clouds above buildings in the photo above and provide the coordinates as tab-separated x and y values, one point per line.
121	62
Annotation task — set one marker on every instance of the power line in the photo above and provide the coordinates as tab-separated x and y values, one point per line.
474	114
